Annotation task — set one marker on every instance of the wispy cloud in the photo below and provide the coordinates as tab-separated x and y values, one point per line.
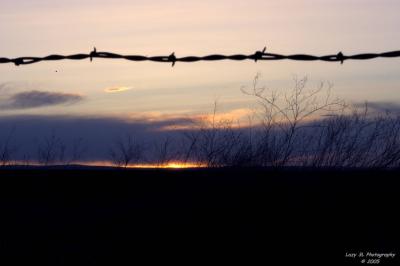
117	89
35	99
237	117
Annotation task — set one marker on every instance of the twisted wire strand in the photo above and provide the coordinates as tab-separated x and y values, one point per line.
258	55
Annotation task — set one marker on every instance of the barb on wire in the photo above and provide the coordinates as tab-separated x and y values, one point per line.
258	55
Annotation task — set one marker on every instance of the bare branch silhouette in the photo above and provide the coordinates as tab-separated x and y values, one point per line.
78	149
284	115
164	151
51	150
216	143
125	151
7	149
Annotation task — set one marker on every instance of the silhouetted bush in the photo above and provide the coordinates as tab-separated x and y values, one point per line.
7	149
300	127
126	151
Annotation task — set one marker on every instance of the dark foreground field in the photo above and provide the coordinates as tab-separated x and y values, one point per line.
250	216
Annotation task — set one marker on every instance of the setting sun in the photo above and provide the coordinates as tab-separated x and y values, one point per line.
181	165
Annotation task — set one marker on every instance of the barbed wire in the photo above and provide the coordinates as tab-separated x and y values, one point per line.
258	55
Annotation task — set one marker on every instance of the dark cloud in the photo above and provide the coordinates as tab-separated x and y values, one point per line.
393	107
35	98
98	133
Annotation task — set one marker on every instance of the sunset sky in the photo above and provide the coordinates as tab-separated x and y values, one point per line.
116	88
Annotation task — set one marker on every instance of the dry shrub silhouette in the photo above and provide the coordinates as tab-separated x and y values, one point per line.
7	149
52	150
78	149
165	151
300	127
359	139
285	116
218	143
125	151
297	127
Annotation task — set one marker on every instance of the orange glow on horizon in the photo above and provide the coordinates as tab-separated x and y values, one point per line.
172	165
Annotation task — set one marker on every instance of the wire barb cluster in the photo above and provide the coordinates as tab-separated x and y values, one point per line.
258	55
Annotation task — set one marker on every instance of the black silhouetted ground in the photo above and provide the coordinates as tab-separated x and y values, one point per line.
213	216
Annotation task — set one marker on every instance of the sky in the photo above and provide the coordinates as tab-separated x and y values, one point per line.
124	90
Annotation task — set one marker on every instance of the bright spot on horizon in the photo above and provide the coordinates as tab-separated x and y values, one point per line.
174	165
179	165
